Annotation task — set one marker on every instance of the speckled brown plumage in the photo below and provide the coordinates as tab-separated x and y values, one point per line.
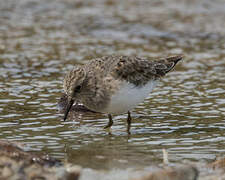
95	83
131	68
101	77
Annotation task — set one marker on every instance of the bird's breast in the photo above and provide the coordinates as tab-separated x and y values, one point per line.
128	96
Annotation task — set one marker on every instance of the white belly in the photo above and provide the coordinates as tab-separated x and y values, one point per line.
128	97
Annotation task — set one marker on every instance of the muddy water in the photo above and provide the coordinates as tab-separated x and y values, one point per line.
41	40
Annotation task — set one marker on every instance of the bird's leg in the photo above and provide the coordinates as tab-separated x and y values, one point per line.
110	123
128	122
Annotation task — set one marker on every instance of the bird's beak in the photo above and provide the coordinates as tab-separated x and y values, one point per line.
68	107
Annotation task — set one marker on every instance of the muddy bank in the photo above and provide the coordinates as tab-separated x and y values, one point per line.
15	163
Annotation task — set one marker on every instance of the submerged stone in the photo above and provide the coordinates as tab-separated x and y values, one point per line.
15	163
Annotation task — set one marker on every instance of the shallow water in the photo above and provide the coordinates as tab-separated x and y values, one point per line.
40	41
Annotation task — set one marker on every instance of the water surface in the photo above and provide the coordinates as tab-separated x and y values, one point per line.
41	40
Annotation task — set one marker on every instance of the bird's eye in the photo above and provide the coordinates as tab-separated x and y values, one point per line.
77	89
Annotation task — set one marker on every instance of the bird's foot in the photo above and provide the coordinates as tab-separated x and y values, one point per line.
108	129
128	130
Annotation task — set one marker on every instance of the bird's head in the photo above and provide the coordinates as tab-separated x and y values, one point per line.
73	84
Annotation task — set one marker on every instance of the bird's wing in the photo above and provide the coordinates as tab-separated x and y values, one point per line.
139	71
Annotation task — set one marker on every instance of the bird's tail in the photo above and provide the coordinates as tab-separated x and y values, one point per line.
172	61
165	65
